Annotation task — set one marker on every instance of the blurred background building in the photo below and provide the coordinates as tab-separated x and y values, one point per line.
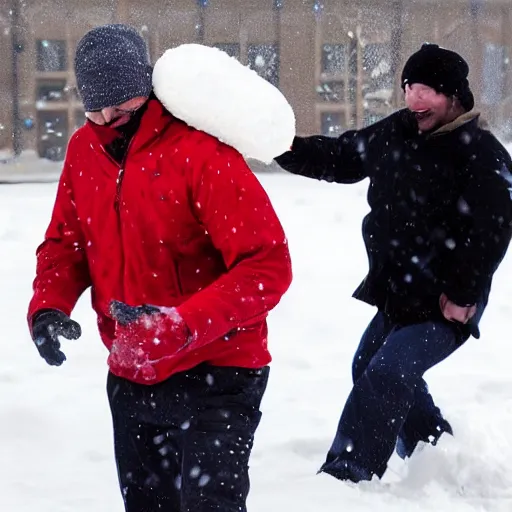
337	61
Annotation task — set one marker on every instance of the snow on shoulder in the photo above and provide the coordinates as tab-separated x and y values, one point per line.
214	93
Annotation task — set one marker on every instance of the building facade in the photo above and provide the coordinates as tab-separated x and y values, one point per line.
337	61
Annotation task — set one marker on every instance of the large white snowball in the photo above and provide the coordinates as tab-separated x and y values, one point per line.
215	93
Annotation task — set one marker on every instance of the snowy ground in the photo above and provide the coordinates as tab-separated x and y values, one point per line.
28	167
55	433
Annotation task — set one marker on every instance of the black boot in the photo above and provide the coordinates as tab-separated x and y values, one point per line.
408	441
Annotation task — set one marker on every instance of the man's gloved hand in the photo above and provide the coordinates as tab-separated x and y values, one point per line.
145	335
159	317
454	313
125	314
47	326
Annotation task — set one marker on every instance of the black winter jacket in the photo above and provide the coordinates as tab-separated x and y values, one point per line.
441	209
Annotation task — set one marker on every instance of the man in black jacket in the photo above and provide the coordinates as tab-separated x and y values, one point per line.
439	226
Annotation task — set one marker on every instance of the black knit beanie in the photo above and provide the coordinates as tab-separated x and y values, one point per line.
443	70
111	67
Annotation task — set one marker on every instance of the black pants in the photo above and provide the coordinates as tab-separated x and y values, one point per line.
184	445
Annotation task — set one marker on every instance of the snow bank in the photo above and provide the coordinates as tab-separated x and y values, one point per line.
215	93
55	426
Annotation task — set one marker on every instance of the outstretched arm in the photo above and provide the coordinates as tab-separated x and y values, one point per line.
339	160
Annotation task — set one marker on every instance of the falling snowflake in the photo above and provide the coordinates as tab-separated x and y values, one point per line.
203	481
195	472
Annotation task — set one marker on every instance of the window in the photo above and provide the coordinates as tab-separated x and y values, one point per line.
334	57
53	134
377	67
332	124
264	59
377	59
51	90
51	55
72	91
79	119
232	49
372	117
331	91
493	75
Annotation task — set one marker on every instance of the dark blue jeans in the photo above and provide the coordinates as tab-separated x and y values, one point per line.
390	400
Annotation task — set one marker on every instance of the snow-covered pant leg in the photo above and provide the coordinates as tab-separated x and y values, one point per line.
382	397
424	420
184	445
218	447
147	447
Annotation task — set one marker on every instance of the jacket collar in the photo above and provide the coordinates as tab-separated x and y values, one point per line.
154	121
469	121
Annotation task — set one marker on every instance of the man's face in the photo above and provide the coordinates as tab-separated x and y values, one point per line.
118	115
431	109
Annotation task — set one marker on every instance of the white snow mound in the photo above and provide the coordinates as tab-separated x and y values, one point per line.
215	93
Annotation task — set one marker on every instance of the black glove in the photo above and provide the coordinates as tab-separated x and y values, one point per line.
47	326
125	314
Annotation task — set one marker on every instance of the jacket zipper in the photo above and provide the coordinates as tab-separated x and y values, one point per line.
119	182
117	208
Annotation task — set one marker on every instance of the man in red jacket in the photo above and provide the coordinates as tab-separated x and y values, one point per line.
185	257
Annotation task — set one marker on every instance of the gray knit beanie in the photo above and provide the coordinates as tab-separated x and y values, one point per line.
112	66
